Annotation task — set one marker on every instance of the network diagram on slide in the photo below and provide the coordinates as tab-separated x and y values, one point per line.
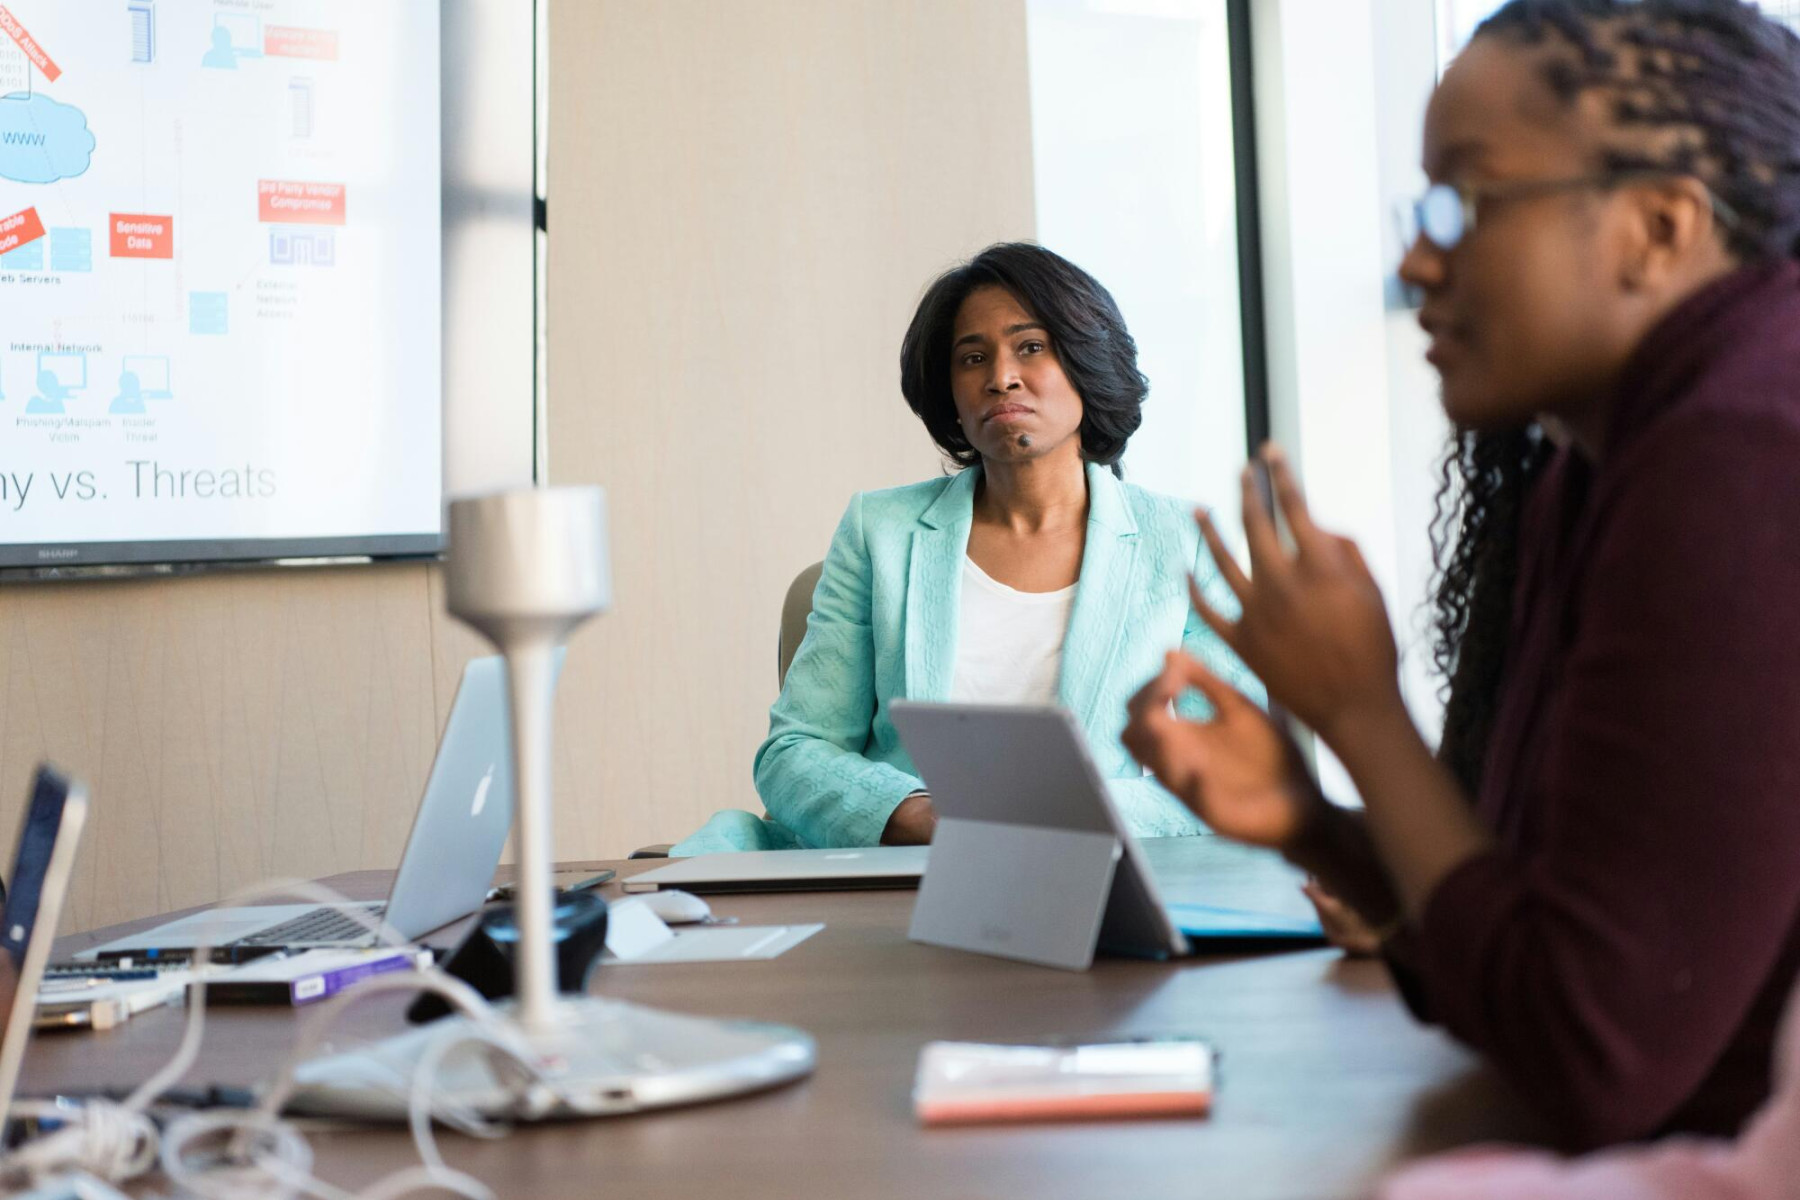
219	265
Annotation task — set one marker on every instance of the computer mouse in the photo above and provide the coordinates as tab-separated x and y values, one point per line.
677	907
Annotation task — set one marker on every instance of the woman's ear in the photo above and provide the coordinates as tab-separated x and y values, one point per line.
1673	224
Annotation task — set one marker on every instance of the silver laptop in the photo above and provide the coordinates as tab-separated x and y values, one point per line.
853	869
43	859
1032	861
457	837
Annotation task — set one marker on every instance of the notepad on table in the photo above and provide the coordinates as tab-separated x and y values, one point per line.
962	1083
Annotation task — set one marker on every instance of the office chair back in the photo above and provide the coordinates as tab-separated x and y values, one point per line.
795	608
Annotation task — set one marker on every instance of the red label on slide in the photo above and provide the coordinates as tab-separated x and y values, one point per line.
136	235
291	203
9	25
20	228
286	41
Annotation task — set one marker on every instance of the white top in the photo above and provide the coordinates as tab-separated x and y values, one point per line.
1009	644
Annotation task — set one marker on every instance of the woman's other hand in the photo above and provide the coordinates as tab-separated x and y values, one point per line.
1239	772
1343	925
911	824
1313	626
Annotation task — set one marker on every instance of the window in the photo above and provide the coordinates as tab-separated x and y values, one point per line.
1785	11
1136	181
1457	21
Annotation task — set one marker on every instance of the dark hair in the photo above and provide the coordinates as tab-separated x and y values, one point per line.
1482	485
1086	332
1704	87
1708	88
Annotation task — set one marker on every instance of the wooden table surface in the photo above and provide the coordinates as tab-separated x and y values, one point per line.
1325	1081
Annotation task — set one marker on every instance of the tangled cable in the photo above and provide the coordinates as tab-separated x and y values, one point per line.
240	1154
105	1140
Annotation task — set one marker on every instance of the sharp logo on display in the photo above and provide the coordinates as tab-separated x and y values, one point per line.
481	792
59	554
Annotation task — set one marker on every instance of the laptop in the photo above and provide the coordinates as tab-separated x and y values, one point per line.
457	837
43	860
851	869
1032	861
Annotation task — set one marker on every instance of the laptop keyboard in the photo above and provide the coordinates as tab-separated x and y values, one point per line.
318	925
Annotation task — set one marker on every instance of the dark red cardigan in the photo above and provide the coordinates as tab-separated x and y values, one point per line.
1624	953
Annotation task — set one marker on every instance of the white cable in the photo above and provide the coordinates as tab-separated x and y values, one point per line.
487	1031
118	1141
281	1169
254	1153
419	1110
189	1049
460	996
249	1153
105	1140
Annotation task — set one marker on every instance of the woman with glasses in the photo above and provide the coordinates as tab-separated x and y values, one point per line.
1595	879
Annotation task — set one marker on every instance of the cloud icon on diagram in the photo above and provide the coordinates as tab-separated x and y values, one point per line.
42	140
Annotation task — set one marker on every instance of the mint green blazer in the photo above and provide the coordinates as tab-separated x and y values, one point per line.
884	626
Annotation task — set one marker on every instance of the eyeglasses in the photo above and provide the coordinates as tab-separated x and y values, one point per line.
1447	212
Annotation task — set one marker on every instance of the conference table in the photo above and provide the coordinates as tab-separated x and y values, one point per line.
1325	1082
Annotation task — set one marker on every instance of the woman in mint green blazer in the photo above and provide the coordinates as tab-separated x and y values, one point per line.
1033	574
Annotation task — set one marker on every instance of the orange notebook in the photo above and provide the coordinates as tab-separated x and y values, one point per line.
961	1083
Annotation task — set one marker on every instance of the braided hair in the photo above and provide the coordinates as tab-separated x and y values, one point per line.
1707	88
1482	484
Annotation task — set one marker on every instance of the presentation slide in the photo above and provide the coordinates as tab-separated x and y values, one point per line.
220	280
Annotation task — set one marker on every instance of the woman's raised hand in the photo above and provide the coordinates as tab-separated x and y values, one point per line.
1344	927
1239	772
1313	626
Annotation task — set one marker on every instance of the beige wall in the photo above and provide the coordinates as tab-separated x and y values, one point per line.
232	726
748	198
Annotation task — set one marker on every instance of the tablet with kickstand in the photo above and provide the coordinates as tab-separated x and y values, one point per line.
1031	859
